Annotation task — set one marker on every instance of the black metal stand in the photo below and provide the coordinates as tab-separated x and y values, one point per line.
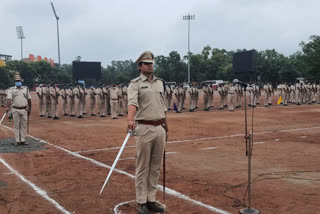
249	209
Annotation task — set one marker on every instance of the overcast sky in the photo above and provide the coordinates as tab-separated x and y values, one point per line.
105	30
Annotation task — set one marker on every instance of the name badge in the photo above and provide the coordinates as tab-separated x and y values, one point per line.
144	87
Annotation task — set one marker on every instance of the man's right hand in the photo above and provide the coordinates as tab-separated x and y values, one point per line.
7	109
131	125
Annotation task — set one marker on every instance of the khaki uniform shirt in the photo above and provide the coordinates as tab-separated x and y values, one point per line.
63	93
39	92
114	93
92	93
19	96
148	97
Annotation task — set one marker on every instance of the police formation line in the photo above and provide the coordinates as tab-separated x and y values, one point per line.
112	100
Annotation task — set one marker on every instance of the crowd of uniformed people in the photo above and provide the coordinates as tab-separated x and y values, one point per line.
112	100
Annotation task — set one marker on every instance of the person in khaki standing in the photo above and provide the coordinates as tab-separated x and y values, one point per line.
114	99
231	97
19	101
205	97
146	107
78	92
54	92
39	91
48	101
71	101
120	100
92	97
64	96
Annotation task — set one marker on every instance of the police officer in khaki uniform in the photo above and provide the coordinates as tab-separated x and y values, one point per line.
64	96
78	92
206	97
54	92
71	96
146	107
92	97
19	100
114	101
39	91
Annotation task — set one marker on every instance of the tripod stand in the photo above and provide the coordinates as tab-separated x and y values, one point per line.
249	209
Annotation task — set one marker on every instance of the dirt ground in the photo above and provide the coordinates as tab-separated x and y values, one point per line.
206	165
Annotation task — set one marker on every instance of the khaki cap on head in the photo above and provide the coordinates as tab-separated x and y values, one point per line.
17	77
146	56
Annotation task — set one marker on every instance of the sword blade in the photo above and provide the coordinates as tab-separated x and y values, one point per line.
115	161
3	117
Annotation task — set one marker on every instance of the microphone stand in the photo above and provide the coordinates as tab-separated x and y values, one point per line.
249	209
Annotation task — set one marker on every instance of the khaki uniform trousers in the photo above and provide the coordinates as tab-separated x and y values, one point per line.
120	106
54	107
205	101
92	105
48	106
266	99
298	97
64	105
230	102
72	103
79	106
191	105
84	103
41	105
20	117
114	108
221	101
101	106
150	147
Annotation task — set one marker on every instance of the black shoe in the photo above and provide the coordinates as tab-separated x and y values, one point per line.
206	109
42	116
93	114
237	107
49	117
169	109
109	113
65	114
120	115
143	209
183	108
56	118
80	116
72	115
270	104
102	116
84	113
155	207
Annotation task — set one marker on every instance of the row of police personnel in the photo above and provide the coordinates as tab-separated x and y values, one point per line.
110	100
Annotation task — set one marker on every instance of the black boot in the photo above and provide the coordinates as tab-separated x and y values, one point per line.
143	209
155	207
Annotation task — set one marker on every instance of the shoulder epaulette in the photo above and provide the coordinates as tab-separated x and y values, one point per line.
136	79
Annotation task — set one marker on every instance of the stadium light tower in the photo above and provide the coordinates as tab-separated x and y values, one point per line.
21	36
57	18
189	17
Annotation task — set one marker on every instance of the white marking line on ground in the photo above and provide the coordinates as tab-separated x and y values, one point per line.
159	187
277	140
258	142
210	138
130	158
7	173
116	208
35	188
208	148
170	153
303	137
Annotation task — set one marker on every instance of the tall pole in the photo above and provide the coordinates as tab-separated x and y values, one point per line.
189	17
21	49
57	18
58	40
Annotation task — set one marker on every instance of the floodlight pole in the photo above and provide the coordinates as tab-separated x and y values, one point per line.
189	17
21	36
57	18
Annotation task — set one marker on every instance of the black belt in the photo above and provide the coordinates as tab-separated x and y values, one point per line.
25	107
151	122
